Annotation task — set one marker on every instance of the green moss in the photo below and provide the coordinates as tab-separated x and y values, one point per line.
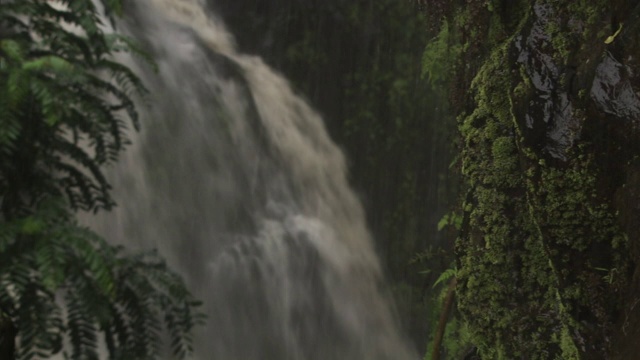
577	26
505	160
537	230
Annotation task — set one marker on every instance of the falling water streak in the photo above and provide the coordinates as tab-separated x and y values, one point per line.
236	181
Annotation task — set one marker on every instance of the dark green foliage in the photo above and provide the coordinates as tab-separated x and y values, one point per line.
64	103
59	280
65	108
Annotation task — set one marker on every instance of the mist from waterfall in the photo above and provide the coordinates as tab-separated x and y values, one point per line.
236	182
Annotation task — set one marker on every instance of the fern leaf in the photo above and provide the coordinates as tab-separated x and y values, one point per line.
446	275
12	50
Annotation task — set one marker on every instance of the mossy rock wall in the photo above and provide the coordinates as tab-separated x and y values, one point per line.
548	154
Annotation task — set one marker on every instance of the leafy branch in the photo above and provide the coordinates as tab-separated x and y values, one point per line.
65	108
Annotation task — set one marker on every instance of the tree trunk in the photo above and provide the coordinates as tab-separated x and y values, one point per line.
444	316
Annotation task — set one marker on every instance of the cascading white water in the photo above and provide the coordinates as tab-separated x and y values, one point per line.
235	180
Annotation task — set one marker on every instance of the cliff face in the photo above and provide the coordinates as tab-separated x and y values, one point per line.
545	258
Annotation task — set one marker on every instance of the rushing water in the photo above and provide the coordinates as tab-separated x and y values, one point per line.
234	179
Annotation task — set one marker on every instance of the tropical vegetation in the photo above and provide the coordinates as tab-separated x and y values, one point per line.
66	107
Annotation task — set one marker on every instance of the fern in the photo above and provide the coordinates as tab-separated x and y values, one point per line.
53	79
65	109
445	276
129	301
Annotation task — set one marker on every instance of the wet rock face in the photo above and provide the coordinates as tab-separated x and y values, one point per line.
613	92
575	87
560	94
584	99
547	119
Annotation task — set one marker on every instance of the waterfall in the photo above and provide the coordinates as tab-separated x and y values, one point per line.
236	182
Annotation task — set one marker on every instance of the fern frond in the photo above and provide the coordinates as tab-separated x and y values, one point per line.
81	324
12	50
121	43
65	109
445	276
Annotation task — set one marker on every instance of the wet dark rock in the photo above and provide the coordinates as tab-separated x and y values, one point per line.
612	90
575	103
548	122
